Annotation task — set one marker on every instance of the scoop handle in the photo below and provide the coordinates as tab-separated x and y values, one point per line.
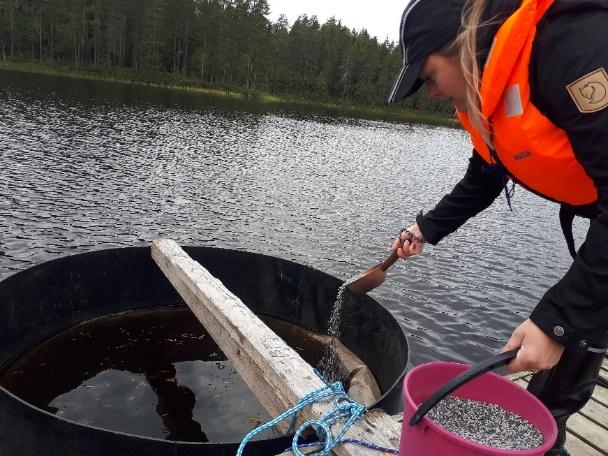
389	261
472	373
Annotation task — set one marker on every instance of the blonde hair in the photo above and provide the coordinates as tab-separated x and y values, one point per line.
464	47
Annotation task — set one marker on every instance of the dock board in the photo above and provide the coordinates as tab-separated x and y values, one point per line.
588	429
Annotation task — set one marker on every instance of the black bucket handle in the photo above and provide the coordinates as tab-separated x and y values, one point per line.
472	373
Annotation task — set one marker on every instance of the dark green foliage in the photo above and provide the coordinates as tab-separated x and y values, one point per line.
229	43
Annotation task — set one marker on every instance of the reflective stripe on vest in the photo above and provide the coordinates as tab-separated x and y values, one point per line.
534	151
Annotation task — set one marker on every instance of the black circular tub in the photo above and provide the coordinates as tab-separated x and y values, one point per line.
46	300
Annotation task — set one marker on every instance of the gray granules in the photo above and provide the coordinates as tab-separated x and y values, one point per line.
485	423
329	365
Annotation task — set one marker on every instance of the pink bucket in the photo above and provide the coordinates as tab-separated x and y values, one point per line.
428	438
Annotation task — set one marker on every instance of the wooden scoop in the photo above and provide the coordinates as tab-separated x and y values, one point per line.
372	277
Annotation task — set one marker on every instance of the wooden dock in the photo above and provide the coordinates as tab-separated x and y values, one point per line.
588	429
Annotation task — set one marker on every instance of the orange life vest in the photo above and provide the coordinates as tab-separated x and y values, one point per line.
534	151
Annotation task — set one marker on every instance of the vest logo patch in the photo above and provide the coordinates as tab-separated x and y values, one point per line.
590	93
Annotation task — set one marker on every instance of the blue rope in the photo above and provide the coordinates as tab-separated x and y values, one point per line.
345	408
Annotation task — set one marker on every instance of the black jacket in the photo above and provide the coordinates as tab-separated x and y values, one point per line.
571	41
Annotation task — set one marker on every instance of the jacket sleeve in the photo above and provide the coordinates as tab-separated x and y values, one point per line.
574	312
474	193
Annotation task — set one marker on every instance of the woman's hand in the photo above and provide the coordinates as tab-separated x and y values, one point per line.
409	242
537	351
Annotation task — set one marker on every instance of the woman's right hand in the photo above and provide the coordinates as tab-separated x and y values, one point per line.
409	242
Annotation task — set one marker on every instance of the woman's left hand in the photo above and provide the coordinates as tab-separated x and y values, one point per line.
537	351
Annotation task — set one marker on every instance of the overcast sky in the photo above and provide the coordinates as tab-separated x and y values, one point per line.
380	17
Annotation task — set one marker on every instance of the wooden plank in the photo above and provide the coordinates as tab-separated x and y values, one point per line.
522	382
520	375
308	450
577	447
589	431
584	429
600	394
274	372
597	412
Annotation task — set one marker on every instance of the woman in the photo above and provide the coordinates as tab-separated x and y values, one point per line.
529	81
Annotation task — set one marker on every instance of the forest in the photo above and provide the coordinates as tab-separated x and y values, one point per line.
219	43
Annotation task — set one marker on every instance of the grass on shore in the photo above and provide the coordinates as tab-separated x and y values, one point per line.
180	82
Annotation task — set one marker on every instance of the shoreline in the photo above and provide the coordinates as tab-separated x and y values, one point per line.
181	83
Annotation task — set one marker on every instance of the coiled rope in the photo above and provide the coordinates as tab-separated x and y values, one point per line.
345	409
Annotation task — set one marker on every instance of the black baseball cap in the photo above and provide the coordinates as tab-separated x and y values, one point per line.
426	27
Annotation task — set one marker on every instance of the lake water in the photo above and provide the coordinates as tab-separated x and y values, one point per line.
89	165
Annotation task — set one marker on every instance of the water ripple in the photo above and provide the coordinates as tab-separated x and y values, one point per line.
95	171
